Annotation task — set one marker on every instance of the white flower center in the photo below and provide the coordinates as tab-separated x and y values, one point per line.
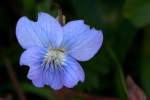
55	56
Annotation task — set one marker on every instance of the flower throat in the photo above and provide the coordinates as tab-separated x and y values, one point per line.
55	56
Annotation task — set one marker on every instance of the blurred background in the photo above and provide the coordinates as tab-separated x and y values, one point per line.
125	53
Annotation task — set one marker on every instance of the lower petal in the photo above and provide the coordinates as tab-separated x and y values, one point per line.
36	75
54	77
73	72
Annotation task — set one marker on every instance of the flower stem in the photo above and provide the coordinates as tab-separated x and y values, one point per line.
14	80
119	76
61	18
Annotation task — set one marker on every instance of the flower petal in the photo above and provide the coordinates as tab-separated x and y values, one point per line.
33	57
36	75
53	76
39	73
52	27
72	29
46	31
73	72
82	42
30	34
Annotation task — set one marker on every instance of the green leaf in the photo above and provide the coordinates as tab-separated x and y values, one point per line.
119	76
137	11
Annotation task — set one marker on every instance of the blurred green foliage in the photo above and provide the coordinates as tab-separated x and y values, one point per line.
137	12
125	50
144	64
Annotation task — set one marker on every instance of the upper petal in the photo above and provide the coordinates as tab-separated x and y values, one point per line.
73	72
31	33
81	42
52	27
71	29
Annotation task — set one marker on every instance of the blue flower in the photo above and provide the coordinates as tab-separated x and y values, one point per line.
51	50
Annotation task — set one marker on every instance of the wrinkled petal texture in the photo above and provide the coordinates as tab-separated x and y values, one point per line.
81	42
43	33
68	74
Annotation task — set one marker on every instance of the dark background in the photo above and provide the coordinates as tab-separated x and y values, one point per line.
125	51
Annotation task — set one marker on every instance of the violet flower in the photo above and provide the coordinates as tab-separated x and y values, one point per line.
51	50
